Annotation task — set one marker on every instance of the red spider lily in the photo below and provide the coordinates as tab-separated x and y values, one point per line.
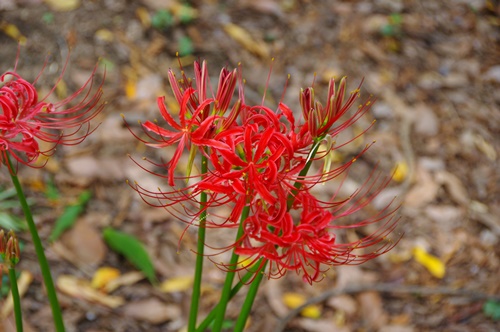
197	126
259	164
320	119
309	245
26	118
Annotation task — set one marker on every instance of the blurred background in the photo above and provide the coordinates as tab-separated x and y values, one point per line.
434	68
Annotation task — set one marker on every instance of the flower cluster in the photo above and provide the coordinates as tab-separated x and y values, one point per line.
26	118
257	163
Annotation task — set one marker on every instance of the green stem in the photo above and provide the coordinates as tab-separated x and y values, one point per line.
226	290
247	305
16	299
42	260
210	317
195	297
303	172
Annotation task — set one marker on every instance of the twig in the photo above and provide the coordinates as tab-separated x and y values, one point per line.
385	288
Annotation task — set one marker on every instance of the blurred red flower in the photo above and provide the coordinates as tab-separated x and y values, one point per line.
26	118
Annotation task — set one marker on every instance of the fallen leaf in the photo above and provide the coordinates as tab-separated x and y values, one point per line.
68	218
485	147
372	310
23	283
424	191
400	171
245	39
81	288
177	284
294	300
63	5
125	279
132	249
103	276
432	263
454	187
85	244
13	32
152	310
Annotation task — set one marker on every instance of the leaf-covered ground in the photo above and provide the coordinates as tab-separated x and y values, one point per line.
434	67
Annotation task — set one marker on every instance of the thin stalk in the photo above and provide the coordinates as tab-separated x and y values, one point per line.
303	173
16	299
226	290
42	260
210	317
195	297
247	305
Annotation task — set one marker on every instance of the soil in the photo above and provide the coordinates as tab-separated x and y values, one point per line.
434	69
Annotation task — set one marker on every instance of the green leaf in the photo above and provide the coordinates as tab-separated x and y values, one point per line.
132	249
51	191
162	19
492	309
185	46
68	218
186	14
9	221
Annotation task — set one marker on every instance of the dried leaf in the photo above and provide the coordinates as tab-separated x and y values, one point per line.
82	245
432	263
152	310
103	276
372	310
125	279
13	32
454	187
424	191
81	288
246	40
23	283
177	284
63	5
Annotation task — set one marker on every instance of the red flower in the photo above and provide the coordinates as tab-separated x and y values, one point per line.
309	244
25	118
197	126
321	119
258	165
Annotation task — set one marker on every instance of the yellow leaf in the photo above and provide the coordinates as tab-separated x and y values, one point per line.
130	88
143	15
400	171
104	35
103	276
177	284
80	288
13	32
63	5
246	40
432	263
312	311
294	300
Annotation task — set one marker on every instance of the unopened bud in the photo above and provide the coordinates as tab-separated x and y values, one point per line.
12	251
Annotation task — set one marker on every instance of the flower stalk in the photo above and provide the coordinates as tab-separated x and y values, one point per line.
25	120
10	253
42	259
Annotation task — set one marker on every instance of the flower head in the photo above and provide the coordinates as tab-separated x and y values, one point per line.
26	118
260	162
